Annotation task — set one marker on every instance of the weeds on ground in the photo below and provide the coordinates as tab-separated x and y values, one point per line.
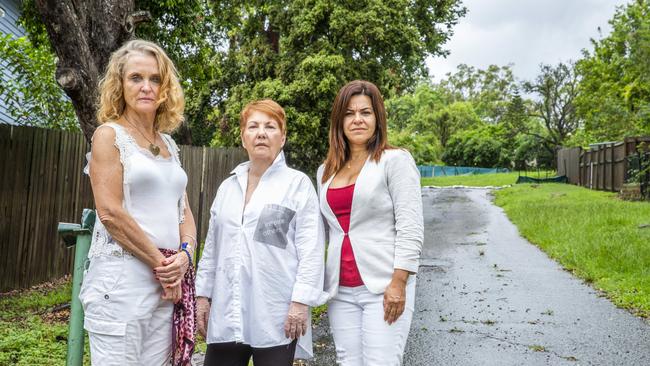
598	237
317	313
34	325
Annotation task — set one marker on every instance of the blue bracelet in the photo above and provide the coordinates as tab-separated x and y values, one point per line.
184	249
189	256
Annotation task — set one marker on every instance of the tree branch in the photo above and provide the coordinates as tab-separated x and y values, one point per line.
83	33
69	79
136	18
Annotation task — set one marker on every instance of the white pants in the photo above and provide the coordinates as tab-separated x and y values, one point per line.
361	335
127	321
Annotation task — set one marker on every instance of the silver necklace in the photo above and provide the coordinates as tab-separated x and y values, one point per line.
155	149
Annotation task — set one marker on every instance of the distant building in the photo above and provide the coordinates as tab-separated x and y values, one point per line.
9	13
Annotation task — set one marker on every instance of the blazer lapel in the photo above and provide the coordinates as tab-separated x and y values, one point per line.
360	184
325	206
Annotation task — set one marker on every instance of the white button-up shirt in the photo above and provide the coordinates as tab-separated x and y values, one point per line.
259	258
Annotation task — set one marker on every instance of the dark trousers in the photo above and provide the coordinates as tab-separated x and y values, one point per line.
238	354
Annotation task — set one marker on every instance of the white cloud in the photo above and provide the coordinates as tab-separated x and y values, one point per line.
525	33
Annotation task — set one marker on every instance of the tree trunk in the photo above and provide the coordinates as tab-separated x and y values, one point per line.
84	33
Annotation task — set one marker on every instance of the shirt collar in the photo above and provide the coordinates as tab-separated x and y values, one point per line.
279	162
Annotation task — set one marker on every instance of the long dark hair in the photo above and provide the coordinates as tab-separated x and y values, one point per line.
339	147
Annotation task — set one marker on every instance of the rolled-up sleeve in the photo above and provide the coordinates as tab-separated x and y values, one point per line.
205	274
310	247
404	186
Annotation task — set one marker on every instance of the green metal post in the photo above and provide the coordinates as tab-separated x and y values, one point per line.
76	326
79	236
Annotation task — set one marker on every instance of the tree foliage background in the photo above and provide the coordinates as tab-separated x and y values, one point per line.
33	97
502	121
614	91
301	52
472	117
298	53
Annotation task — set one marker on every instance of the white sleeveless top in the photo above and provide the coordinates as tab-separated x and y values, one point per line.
154	194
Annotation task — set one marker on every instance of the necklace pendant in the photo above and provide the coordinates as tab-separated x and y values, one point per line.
155	149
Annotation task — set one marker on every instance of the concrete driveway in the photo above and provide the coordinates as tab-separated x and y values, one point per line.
486	296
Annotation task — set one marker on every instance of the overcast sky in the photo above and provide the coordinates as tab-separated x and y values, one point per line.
525	33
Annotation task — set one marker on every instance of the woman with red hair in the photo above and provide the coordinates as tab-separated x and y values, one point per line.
262	267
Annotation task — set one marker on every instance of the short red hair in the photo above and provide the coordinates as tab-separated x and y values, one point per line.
266	106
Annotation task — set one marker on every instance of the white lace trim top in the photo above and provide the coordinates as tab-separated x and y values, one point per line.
154	194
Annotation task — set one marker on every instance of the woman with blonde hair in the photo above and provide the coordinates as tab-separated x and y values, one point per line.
138	292
370	197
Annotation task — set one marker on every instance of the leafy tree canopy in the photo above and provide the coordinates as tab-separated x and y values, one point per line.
488	89
32	96
473	118
301	52
556	88
297	52
614	90
477	147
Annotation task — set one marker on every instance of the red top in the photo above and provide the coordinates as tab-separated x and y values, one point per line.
340	200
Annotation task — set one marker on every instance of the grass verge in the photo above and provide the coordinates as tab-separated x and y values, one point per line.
481	180
33	330
604	240
34	325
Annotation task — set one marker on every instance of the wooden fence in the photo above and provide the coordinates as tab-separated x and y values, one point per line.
42	184
603	167
568	164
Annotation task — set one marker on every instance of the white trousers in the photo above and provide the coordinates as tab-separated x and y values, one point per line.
127	321
361	336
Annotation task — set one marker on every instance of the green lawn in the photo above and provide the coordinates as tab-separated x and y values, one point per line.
481	180
31	333
594	234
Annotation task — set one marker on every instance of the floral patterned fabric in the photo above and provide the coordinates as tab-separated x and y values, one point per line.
184	321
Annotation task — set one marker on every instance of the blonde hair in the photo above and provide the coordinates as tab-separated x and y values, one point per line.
171	102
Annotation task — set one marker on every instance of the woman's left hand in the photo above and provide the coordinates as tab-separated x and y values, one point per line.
174	294
296	323
173	269
394	300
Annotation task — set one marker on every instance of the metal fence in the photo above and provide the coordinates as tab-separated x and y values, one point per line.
442	170
605	166
42	184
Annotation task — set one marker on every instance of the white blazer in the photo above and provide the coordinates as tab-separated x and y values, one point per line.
386	225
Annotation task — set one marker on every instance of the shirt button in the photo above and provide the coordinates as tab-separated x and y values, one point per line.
106	296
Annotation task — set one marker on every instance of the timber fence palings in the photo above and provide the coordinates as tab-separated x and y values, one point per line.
42	183
206	168
602	167
568	164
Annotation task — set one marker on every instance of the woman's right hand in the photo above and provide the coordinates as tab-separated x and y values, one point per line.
172	269
202	315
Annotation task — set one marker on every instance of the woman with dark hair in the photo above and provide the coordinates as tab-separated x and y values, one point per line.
370	198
